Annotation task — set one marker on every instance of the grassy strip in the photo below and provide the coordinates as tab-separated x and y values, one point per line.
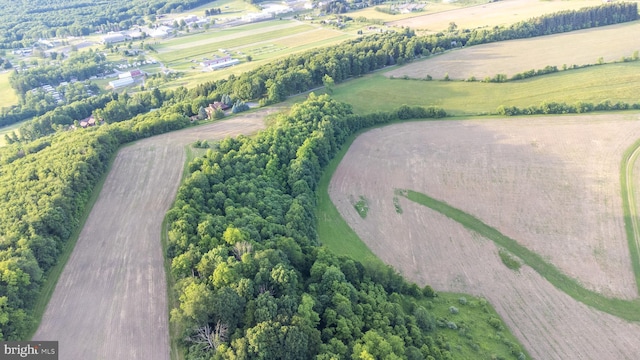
629	206
333	231
51	278
629	310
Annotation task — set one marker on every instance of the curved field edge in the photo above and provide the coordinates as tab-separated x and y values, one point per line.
335	234
629	207
625	309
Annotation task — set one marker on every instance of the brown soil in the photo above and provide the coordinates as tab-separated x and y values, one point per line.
552	184
111	299
582	47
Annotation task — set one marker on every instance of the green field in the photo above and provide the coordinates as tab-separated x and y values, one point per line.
174	56
8	97
7	130
616	82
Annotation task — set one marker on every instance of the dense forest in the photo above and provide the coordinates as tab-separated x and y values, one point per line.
253	282
243	227
23	22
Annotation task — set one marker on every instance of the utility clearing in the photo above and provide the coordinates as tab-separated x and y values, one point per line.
550	183
111	299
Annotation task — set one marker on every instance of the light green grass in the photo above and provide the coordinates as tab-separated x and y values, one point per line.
374	92
333	231
7	130
629	206
477	336
625	309
175	56
8	96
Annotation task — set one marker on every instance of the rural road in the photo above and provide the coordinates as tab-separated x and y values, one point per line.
111	299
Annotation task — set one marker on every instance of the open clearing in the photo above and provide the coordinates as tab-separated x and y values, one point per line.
552	183
582	47
8	96
111	299
492	14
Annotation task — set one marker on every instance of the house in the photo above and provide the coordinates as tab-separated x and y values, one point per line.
212	108
219	63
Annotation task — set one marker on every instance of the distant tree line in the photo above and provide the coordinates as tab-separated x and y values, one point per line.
552	107
563	21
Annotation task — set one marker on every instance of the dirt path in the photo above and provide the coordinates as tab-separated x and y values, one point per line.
552	184
110	301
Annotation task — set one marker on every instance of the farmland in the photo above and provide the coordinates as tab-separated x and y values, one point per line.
113	285
490	14
584	47
558	195
612	81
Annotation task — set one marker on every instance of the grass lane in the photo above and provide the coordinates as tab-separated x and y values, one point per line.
629	206
625	309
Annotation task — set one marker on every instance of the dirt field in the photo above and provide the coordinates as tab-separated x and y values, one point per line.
111	299
550	183
492	14
517	56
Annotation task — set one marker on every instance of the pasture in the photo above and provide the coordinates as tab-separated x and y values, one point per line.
584	47
8	96
490	14
550	183
616	82
113	285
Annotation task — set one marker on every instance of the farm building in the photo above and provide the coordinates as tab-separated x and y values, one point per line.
113	38
215	106
219	63
133	73
121	82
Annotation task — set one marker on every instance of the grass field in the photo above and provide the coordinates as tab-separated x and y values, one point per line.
491	14
8	96
7	130
616	82
187	50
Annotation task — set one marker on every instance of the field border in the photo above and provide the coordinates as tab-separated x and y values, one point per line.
629	207
53	275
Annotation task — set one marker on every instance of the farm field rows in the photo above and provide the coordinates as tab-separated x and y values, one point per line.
553	184
112	293
616	82
583	47
492	14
